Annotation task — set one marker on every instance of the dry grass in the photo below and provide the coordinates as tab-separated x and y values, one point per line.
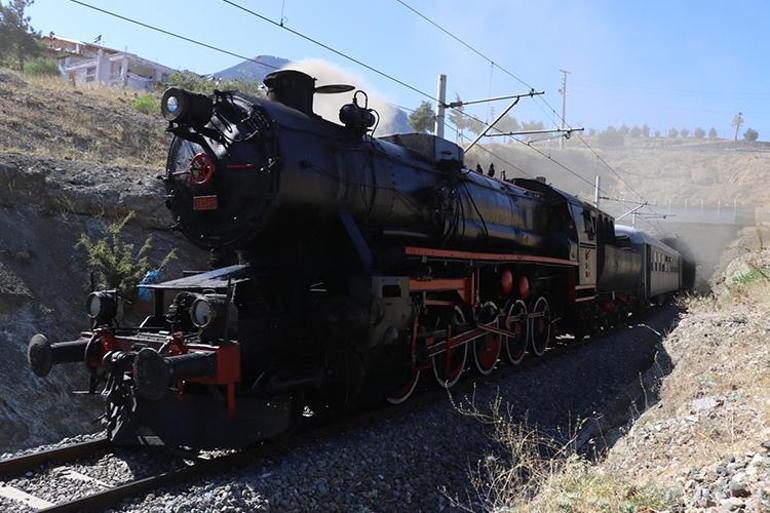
580	487
49	117
534	473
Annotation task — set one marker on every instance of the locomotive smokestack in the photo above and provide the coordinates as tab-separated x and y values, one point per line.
291	88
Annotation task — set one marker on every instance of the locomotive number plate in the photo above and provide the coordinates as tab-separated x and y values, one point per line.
205	202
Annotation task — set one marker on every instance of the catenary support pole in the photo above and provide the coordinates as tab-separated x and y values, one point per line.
440	105
597	188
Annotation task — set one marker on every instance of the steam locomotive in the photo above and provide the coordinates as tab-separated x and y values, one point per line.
344	268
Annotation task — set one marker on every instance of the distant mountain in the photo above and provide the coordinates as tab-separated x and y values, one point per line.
255	70
397	124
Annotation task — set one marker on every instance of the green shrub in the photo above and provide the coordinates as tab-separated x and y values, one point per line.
42	67
114	262
750	276
147	103
199	84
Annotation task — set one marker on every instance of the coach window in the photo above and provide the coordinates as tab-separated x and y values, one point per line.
589	222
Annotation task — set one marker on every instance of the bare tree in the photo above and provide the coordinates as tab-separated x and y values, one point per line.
737	123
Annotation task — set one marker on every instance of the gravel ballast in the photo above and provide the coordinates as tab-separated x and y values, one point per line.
415	461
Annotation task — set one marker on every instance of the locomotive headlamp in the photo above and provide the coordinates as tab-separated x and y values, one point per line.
102	305
183	107
172	105
208	309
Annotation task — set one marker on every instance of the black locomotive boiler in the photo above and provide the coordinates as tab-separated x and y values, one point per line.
345	267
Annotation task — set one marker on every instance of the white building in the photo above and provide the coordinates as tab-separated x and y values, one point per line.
86	63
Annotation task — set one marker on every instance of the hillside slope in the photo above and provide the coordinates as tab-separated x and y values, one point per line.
71	161
709	435
708	172
52	118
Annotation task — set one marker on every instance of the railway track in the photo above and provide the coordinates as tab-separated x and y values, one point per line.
27	462
192	468
189	469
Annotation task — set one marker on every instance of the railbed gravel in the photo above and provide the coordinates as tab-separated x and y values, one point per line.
58	482
415	460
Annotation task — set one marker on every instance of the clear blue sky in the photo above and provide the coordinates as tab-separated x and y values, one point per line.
664	63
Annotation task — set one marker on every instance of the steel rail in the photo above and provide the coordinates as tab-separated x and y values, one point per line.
18	465
110	497
316	430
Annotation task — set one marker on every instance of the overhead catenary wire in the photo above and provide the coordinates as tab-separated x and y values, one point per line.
329	48
365	65
494	64
325	46
257	61
466	44
173	34
453	128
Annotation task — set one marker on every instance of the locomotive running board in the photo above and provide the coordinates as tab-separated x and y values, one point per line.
450	254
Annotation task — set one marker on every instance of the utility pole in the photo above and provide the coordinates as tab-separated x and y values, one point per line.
597	187
563	92
440	106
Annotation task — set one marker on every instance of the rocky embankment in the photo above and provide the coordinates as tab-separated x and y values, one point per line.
45	205
709	436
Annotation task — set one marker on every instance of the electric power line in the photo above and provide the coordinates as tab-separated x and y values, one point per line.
369	67
466	44
391	77
172	34
240	56
517	78
331	49
456	130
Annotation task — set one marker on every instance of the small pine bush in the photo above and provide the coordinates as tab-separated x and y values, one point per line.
147	103
114	262
42	67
